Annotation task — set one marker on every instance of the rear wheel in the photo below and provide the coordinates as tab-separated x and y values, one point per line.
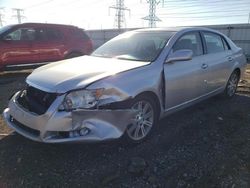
232	84
144	120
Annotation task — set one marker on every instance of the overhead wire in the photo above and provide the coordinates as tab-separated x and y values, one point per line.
172	9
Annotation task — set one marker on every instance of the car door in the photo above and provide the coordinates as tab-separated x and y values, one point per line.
184	80
218	58
48	44
16	46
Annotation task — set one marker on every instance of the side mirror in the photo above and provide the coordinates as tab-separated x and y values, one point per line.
180	55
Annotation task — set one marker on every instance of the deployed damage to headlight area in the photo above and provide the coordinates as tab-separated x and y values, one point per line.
71	117
81	99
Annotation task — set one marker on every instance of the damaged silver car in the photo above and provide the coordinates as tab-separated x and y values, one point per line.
125	86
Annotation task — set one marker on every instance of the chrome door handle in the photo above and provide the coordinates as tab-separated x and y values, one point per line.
230	58
204	66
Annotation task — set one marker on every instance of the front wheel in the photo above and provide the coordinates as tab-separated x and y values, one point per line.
144	120
232	85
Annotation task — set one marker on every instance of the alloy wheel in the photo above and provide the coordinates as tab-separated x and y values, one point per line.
232	84
143	121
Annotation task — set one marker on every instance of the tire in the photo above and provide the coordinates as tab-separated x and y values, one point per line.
232	85
72	55
144	121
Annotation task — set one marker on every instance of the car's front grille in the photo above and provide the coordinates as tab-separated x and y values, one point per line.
29	130
35	100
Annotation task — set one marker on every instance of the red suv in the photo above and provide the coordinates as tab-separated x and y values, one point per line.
32	44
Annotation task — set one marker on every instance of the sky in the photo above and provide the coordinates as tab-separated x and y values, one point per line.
96	14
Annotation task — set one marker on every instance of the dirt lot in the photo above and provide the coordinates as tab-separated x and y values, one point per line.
207	145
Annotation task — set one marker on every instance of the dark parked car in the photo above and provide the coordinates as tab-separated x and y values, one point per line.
32	44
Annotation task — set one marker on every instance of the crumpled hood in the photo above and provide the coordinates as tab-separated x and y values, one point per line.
69	74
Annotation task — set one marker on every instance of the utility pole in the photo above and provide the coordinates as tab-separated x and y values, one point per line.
1	17
19	14
120	8
152	18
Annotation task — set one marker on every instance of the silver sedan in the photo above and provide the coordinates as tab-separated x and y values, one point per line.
125	86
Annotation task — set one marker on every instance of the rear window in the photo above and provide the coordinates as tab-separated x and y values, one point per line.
53	34
80	34
226	45
213	42
48	34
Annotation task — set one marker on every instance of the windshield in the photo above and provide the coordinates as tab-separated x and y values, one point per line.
139	46
5	28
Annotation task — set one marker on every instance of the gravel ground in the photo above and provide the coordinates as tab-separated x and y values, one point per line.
207	145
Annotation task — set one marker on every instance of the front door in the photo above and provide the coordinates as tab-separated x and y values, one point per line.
48	44
16	47
184	80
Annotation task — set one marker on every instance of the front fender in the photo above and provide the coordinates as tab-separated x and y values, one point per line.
127	85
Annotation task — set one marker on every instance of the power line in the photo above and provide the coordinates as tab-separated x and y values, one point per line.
205	3
184	10
38	4
152	18
120	15
72	3
225	16
196	10
191	5
19	14
203	16
204	12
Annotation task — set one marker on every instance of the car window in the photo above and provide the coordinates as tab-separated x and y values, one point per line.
21	34
80	34
226	45
53	34
40	34
5	28
214	42
190	41
45	34
84	35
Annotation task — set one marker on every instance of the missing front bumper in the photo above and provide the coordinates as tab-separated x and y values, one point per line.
56	127
101	125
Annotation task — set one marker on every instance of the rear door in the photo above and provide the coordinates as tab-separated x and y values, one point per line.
48	44
16	46
184	79
218	59
80	42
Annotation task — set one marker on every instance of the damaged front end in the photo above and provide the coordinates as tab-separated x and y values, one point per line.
77	116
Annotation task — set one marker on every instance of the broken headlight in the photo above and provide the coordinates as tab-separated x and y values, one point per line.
81	99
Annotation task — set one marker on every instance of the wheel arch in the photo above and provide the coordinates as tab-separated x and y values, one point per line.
238	71
153	96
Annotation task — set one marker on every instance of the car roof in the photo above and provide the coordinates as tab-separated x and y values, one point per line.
176	29
45	24
171	29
